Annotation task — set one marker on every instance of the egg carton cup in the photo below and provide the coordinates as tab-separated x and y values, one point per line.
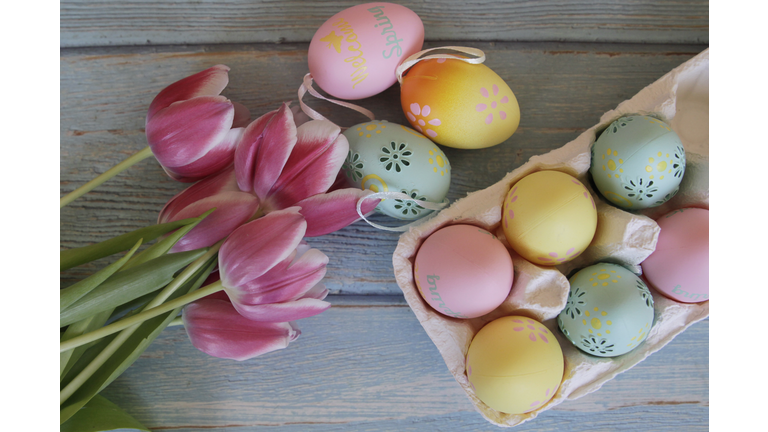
681	98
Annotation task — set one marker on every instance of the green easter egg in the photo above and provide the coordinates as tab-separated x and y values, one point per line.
387	157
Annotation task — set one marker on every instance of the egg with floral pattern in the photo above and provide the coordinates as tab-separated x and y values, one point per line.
638	162
388	157
609	310
514	364
549	217
458	104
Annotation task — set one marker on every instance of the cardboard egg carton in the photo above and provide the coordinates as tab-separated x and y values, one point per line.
681	98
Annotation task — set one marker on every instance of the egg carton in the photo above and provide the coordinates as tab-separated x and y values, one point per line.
681	98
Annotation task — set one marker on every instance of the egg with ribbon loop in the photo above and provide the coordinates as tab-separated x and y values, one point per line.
354	54
459	104
388	157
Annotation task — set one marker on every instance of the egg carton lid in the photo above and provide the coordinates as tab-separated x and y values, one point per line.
681	98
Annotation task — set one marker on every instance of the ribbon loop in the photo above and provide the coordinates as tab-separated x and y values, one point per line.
306	86
479	57
397	195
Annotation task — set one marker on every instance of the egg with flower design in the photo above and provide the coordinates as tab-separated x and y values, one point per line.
609	310
638	162
458	104
388	157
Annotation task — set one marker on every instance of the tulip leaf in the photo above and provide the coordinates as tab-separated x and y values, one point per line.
69	357
74	257
74	292
101	415
128	352
125	286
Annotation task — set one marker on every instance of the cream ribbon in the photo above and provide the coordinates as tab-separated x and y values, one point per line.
397	195
306	86
415	58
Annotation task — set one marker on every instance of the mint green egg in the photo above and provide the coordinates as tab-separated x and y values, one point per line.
638	162
609	311
385	157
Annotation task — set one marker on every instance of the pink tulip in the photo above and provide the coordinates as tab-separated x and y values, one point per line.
191	130
233	208
286	165
215	328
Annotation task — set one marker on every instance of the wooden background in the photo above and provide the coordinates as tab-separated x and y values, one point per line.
365	364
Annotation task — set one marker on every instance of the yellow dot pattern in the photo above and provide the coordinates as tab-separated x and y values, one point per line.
439	161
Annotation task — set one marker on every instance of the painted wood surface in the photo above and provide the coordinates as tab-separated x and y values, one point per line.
148	22
366	364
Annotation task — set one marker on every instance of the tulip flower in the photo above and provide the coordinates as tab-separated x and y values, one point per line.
233	208
192	130
288	165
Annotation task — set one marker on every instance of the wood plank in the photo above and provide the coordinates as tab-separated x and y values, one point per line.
361	367
145	22
562	90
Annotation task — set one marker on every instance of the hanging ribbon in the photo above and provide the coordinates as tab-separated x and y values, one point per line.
479	57
306	86
397	195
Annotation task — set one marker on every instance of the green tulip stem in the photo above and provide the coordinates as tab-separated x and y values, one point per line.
115	170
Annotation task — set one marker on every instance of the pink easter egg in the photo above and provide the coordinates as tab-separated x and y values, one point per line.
463	271
679	266
355	53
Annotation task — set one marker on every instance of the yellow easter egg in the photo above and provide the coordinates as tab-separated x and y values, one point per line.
549	217
514	364
458	104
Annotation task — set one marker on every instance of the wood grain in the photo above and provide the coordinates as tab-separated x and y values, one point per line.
562	89
146	22
371	367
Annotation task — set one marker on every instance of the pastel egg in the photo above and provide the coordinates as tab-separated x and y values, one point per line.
679	266
458	104
463	271
354	54
549	217
638	162
515	364
609	310
387	156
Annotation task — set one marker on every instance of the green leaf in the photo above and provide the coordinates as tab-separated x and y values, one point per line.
129	351
127	285
163	246
74	257
74	292
93	322
101	415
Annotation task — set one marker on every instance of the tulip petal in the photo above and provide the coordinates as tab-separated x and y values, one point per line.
245	155
242	115
212	162
329	212
280	137
233	209
318	292
313	165
215	328
209	82
288	280
254	248
279	312
185	131
210	186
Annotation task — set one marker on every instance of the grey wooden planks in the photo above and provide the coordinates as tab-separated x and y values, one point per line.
360	366
562	90
136	22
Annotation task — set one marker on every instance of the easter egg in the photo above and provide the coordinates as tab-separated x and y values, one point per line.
514	364
549	217
387	156
458	104
463	271
679	266
638	162
354	54
609	310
